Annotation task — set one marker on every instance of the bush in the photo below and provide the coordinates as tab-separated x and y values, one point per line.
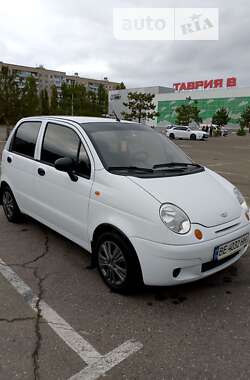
241	132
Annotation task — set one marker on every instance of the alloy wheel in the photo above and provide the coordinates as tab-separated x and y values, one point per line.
8	204
112	263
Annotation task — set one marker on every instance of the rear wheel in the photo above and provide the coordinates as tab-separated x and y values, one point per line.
117	263
172	136
10	206
192	137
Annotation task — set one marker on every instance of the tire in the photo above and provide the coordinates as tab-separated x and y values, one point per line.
172	136
10	206
192	137
117	263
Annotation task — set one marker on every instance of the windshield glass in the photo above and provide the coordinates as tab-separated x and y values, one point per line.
133	146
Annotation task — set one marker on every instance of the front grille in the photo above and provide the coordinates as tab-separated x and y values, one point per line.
227	228
214	264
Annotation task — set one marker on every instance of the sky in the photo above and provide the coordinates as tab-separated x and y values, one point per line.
77	36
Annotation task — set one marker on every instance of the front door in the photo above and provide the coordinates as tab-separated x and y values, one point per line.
61	203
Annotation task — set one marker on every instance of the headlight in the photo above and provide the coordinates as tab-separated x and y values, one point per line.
175	219
240	198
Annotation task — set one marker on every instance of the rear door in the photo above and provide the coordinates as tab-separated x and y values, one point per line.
19	164
184	133
62	203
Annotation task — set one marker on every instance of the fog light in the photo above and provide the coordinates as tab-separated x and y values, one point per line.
176	272
198	234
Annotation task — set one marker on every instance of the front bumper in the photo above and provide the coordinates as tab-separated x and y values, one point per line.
159	262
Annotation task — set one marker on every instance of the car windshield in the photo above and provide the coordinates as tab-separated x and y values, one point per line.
134	147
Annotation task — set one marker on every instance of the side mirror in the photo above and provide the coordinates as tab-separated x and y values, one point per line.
67	165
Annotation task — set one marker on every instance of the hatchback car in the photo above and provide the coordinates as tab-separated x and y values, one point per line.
125	193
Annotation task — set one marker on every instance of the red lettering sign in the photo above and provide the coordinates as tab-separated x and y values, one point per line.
206	84
218	83
231	82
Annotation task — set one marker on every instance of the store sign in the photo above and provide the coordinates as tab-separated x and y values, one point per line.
206	84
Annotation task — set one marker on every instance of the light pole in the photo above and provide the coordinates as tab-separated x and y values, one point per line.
72	104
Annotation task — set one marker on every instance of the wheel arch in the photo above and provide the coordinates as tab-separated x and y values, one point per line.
107	227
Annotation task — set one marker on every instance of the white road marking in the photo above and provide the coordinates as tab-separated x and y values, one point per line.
97	364
108	361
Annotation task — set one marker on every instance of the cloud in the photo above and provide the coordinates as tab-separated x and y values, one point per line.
77	36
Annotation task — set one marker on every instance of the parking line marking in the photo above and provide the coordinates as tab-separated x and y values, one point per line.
97	364
108	361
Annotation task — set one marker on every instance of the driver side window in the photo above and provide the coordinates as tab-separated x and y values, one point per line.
61	141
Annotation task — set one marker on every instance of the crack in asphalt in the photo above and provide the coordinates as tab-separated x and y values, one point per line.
40	280
38	317
35	354
13	320
39	257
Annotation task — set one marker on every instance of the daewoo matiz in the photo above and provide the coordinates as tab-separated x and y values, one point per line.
128	195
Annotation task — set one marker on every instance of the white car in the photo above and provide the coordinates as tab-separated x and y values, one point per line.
186	133
126	194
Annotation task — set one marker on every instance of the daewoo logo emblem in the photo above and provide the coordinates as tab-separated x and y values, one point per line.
224	214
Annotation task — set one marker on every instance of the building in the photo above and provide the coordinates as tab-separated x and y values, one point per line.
46	78
209	95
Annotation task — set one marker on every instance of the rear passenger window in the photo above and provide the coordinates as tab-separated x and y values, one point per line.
60	141
24	141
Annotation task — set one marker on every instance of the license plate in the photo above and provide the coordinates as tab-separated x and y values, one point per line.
227	249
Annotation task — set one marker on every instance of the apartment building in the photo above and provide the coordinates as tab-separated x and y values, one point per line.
45	78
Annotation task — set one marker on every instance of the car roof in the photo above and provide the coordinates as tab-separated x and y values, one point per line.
77	119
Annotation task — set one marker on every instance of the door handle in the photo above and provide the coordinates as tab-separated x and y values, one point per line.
9	159
41	172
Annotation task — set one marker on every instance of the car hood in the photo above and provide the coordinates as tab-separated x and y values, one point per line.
207	198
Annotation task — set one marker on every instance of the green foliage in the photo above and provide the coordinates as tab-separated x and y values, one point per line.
44	102
54	106
186	113
141	107
241	132
74	99
103	99
221	117
245	119
10	104
30	99
121	86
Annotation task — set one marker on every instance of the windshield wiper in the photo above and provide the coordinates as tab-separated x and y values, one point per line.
131	168
174	164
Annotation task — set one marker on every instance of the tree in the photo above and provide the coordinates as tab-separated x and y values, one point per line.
186	113
141	107
44	100
30	98
54	106
121	86
102	97
245	118
221	117
10	104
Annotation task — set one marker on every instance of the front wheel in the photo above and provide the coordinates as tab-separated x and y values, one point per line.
192	137
172	136
117	263
10	206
